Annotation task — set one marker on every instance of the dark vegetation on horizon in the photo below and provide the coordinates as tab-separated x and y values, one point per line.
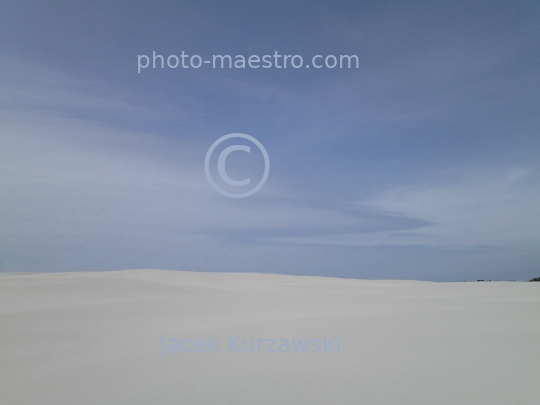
532	279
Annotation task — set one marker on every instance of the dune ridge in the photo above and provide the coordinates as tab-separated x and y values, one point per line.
116	338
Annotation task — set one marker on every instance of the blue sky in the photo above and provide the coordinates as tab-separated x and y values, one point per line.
423	163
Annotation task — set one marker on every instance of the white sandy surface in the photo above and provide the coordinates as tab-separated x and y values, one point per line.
95	338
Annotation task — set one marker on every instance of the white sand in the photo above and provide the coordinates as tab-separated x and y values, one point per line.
94	338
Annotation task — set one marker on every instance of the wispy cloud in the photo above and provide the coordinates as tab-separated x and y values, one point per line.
496	209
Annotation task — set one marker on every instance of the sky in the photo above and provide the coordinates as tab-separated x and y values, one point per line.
421	163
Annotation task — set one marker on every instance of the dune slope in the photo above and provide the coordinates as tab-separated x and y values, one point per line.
169	337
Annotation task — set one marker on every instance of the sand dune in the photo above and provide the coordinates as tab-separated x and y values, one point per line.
168	337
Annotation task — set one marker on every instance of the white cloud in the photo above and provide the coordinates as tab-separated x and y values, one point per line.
496	209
